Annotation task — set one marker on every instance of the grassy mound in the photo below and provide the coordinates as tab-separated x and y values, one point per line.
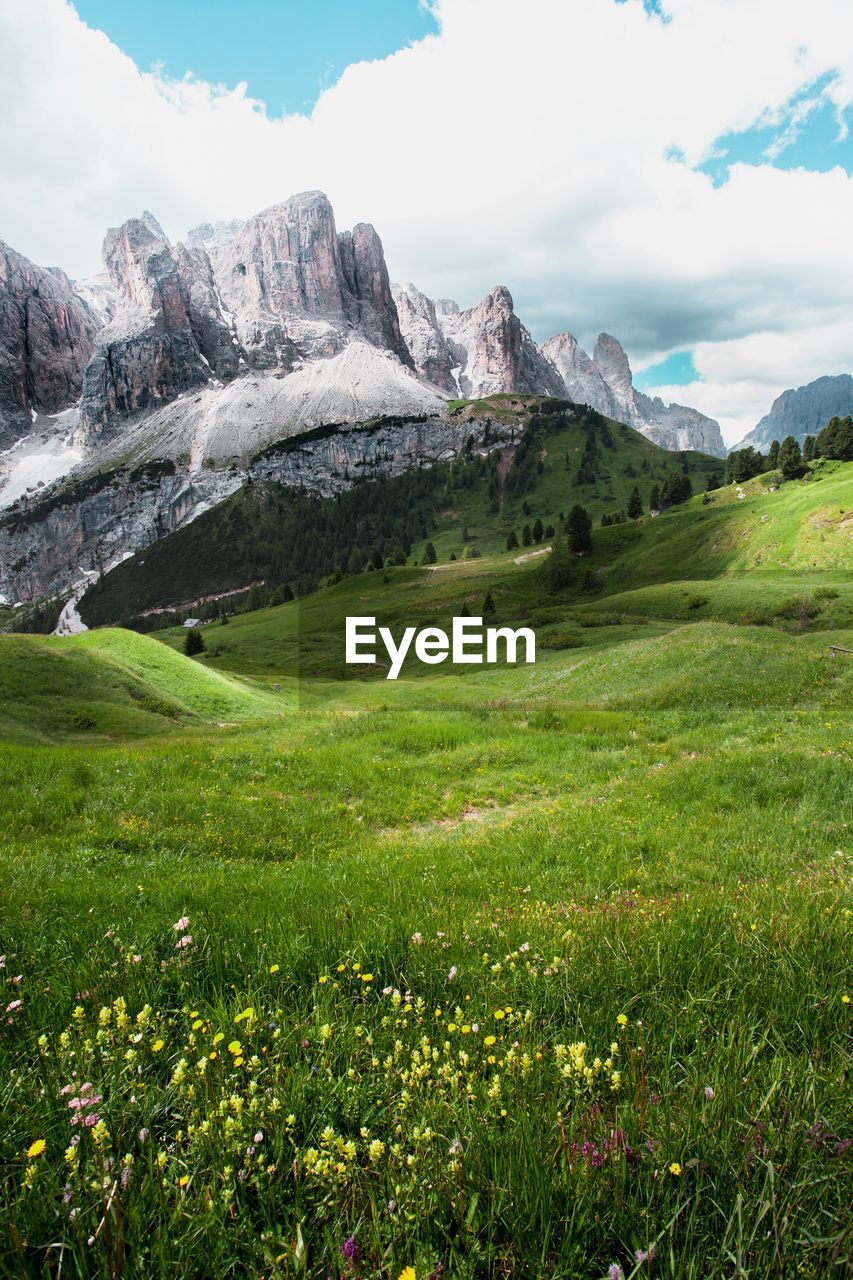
111	683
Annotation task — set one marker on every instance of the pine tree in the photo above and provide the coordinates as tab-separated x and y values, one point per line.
654	499
526	536
511	540
808	448
429	554
773	455
579	527
538	530
193	642
790	459
488	603
560	564
635	504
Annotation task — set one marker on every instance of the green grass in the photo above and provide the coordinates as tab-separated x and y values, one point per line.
110	684
421	913
648	828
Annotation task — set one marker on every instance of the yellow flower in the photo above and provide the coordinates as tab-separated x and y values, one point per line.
499	1015
323	979
489	1040
622	1020
235	1047
408	1273
675	1168
36	1148
845	999
274	968
219	1037
367	977
247	1013
182	1181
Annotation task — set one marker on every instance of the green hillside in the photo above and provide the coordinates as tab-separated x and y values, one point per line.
773	558
111	684
266	533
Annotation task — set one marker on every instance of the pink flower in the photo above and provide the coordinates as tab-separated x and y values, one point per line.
184	942
709	1092
453	973
90	1120
181	924
13	1005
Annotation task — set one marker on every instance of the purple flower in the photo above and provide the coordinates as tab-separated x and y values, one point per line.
615	1272
349	1249
709	1092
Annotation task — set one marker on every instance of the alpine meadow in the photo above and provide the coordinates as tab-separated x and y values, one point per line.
526	971
426	640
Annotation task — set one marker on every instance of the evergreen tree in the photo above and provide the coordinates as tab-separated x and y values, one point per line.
654	498
193	642
488	604
511	540
429	554
560	564
526	536
773	456
538	530
549	532
790	459
579	529
356	561
808	448
713	483
836	440
635	504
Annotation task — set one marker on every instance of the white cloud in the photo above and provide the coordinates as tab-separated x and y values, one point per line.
527	148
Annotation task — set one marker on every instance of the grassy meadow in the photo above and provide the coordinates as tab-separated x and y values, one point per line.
512	972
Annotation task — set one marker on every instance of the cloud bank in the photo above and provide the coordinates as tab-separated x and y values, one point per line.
553	147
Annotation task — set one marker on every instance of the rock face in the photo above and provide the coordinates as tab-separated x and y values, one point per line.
46	333
63	540
492	351
581	377
606	383
803	412
263	295
424	337
167	334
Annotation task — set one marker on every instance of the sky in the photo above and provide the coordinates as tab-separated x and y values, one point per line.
677	172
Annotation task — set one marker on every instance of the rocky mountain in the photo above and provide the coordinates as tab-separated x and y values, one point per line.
160	384
492	351
803	411
605	381
46	336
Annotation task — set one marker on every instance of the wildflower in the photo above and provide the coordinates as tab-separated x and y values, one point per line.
709	1093
489	1040
180	925
845	999
408	1273
157	1045
183	1180
615	1272
274	968
184	942
376	1150
36	1148
452	974
417	939
349	1250
13	1005
499	1015
622	1020
645	1255
675	1169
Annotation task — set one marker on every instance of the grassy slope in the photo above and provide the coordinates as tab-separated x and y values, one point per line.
647	829
110	683
715	561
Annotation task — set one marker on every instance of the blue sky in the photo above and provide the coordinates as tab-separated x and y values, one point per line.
286	51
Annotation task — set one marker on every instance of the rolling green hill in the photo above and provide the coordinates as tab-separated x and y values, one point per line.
111	684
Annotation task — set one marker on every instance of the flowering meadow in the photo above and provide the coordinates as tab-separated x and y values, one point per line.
540	975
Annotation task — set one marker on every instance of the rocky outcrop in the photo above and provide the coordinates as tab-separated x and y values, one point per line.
66	535
424	338
803	411
492	351
167	335
582	380
46	334
606	383
297	290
